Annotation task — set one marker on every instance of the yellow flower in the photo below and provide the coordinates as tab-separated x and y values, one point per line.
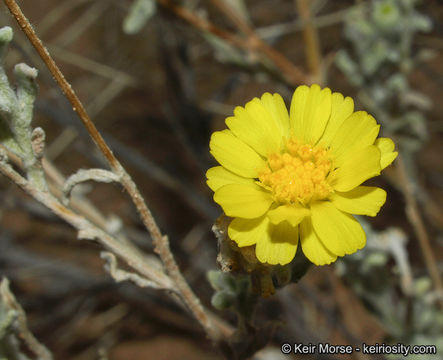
286	178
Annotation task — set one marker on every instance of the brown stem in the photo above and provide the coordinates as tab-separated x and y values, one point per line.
313	54
415	219
253	42
237	20
160	242
20	326
77	106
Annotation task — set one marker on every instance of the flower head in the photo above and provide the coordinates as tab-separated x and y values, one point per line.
296	178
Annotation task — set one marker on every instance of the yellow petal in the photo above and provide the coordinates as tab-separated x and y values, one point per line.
297	110
241	200
340	233
388	155
386	145
359	166
357	132
247	232
258	128
279	245
363	200
291	213
341	109
218	176
312	247
277	108
235	155
387	159
310	111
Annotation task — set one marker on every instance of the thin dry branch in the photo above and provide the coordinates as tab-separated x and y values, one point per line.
8	298
79	204
234	17
161	242
291	72
86	229
413	214
313	55
252	42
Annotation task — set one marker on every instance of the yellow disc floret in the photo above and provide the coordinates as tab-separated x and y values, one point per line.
298	173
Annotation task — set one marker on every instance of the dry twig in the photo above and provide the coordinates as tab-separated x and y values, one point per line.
20	324
88	230
313	55
415	219
253	42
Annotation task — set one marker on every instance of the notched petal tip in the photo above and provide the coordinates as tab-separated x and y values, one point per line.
386	147
279	245
325	262
266	95
339	232
257	126
358	167
312	247
310	111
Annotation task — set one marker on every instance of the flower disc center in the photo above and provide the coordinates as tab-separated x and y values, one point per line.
298	173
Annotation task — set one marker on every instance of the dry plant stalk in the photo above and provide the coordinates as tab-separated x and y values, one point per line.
313	54
414	216
14	328
291	73
174	280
